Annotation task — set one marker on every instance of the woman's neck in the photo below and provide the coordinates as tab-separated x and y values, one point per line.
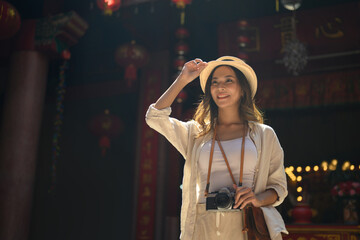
229	117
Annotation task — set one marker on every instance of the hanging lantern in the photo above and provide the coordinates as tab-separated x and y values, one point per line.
179	63
242	24
243	41
105	126
182	48
182	33
108	6
295	53
131	56
66	54
295	56
181	3
291	5
243	56
10	20
181	97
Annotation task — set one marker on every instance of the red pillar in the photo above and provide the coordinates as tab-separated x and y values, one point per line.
21	120
22	116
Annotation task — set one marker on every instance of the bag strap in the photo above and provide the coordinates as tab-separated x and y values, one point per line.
225	158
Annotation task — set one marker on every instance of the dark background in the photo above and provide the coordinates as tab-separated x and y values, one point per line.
94	194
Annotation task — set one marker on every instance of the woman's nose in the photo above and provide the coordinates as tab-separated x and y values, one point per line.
221	86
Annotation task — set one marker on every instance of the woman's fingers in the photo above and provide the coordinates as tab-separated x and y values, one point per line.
246	199
243	195
192	65
240	191
200	62
197	63
202	65
192	69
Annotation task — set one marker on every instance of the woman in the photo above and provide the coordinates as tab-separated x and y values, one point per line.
228	115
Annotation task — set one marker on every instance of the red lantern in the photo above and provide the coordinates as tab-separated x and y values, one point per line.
181	3
9	20
243	41
131	56
66	54
108	6
243	56
105	126
182	33
181	97
182	48
242	24
179	62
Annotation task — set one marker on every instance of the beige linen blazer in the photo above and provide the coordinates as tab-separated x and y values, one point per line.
269	170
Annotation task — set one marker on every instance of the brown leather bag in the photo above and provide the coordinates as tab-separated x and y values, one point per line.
254	224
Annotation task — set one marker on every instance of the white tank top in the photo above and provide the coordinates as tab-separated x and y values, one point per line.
220	176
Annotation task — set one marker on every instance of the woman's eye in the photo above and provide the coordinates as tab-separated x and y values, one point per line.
229	80
213	83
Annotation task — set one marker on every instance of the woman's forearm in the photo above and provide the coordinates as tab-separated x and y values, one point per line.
171	93
190	71
267	198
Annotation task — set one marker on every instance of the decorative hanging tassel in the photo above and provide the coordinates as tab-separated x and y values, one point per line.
130	74
182	17
107	9
58	122
104	144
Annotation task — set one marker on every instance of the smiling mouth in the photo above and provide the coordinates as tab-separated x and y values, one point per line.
222	96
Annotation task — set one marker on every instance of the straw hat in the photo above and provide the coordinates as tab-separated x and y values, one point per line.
234	62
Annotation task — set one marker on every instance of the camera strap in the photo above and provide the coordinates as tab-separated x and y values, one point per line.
225	158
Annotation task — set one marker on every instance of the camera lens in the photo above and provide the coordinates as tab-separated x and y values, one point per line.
223	200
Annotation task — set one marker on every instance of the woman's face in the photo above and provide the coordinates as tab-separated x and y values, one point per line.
225	88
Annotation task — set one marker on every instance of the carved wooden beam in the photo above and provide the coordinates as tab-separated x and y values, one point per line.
51	35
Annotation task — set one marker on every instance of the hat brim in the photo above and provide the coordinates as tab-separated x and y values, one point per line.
234	62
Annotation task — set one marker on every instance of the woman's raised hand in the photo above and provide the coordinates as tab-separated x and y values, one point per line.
192	69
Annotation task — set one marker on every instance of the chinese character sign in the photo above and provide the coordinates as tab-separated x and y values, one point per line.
145	222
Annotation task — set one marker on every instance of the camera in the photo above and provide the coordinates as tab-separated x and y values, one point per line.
222	200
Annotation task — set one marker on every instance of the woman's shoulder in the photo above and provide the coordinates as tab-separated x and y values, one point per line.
194	126
262	128
193	123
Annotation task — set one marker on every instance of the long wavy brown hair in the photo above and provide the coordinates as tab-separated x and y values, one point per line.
207	111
